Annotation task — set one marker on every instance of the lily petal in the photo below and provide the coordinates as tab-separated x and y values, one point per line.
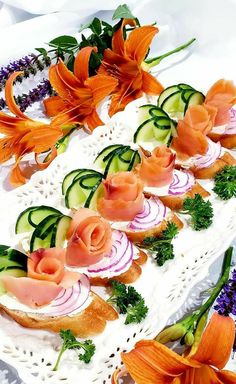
151	363
101	87
151	85
226	377
138	42
17	177
118	43
43	165
10	98
60	83
54	105
93	121
216	342
81	64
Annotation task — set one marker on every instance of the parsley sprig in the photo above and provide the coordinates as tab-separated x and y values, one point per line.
201	212
162	245
70	342
225	182
128	301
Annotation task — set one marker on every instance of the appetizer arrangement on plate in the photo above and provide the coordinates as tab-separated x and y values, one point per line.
105	223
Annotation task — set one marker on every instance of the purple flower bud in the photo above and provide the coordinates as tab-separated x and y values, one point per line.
226	301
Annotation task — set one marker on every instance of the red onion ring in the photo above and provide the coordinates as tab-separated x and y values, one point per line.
230	128
71	299
182	182
152	214
213	153
118	260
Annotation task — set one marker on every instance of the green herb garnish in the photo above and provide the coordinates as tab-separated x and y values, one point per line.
70	342
201	212
225	182
162	245
128	301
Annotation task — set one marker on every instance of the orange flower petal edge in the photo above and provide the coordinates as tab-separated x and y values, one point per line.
10	101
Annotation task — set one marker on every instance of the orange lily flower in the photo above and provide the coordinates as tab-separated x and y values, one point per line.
24	135
125	63
153	363
222	96
79	94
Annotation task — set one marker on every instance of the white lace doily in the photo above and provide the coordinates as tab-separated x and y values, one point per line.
165	289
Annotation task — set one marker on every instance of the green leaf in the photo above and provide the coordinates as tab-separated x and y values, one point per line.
123	12
43	51
94	25
64	42
70	62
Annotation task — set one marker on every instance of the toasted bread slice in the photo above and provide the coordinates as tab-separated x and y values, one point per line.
175	203
127	277
91	321
139	236
227	141
209	173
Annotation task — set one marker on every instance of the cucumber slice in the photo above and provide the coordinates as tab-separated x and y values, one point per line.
12	258
185	86
163	123
37	242
92	199
81	188
102	156
134	161
46	226
37	215
144	111
197	98
187	94
22	222
59	232
89	181
15	272
70	177
145	131
115	162
166	93
158	113
173	103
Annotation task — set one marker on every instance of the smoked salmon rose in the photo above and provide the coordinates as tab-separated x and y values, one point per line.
89	239
123	197
46	278
157	170
192	130
222	96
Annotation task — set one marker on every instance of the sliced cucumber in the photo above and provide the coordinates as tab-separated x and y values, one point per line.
166	93
42	235
173	103
70	177
37	215
59	232
15	272
12	258
80	190
187	94
145	131
185	86
158	113
22	223
93	197
46	226
197	98
102	156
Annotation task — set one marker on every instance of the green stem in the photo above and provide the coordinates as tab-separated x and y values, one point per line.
156	60
63	349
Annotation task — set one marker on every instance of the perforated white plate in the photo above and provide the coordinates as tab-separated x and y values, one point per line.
164	288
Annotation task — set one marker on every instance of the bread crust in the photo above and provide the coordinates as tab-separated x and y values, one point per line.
90	322
210	172
227	141
139	236
175	203
127	277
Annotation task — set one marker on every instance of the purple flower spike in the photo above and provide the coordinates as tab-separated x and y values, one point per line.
226	301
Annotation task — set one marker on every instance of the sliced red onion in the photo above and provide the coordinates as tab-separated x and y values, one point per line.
70	300
230	128
152	214
118	260
182	182
213	153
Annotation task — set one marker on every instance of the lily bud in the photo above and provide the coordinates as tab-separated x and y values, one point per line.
189	339
172	333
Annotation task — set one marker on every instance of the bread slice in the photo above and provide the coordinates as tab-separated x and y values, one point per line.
127	277
91	321
210	172
138	236
175	203
227	141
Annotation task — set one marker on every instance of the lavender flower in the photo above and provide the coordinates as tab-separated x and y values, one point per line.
36	94
226	301
28	64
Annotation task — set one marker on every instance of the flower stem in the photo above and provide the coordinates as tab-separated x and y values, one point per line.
59	358
152	62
